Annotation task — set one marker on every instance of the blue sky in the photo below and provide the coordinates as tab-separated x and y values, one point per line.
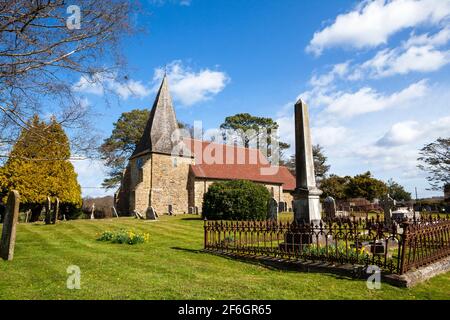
375	75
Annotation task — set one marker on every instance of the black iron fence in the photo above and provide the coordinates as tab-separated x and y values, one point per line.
396	248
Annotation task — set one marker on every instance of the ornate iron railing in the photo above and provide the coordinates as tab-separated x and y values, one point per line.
424	243
395	249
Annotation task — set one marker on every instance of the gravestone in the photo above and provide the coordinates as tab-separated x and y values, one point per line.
191	210
93	211
151	214
113	209
56	209
387	203
306	194
377	247
329	207
8	239
48	211
273	210
138	215
170	209
27	215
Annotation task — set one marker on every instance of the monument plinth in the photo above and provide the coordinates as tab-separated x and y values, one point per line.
306	195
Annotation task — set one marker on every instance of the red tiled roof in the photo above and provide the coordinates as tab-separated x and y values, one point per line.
228	162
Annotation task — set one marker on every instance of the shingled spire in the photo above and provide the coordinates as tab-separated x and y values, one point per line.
160	126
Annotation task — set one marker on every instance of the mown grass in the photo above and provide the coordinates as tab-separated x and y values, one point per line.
170	266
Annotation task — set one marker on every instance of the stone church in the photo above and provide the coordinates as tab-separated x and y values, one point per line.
174	182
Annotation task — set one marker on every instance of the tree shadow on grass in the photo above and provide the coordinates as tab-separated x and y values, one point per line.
287	266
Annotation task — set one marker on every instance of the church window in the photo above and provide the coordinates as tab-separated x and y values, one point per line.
139	163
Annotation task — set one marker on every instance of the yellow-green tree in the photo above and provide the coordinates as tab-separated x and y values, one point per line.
39	166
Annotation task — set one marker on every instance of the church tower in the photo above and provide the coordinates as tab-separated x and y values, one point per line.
154	177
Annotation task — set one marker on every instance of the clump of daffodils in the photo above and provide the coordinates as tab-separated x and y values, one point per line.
124	236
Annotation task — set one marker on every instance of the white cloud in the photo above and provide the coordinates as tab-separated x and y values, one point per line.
131	88
401	133
438	39
367	100
328	136
338	70
191	87
98	84
390	62
373	21
407	132
91	85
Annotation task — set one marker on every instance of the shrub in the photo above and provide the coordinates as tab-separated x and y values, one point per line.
237	199
123	236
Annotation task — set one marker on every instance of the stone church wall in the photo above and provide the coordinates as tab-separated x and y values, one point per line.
288	198
140	178
170	183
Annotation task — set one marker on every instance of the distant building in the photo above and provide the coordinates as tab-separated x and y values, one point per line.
176	182
356	204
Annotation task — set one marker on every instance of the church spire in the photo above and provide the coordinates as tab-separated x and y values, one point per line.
161	124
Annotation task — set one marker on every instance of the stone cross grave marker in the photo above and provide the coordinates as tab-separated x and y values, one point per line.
387	203
273	209
93	211
8	239
329	207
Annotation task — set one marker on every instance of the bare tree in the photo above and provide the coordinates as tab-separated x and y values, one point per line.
435	159
48	45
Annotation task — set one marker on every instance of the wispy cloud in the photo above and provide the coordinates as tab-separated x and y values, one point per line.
98	84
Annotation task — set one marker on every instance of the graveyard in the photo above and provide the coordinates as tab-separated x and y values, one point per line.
170	266
237	151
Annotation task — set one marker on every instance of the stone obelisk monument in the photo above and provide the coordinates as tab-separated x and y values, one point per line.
306	196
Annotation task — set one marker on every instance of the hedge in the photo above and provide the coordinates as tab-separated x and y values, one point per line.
237	200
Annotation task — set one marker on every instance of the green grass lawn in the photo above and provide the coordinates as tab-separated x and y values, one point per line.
170	266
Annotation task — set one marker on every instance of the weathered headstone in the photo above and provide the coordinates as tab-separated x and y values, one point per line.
48	211
8	239
387	203
27	215
306	194
273	210
56	213
93	211
329	207
377	247
151	214
138	215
